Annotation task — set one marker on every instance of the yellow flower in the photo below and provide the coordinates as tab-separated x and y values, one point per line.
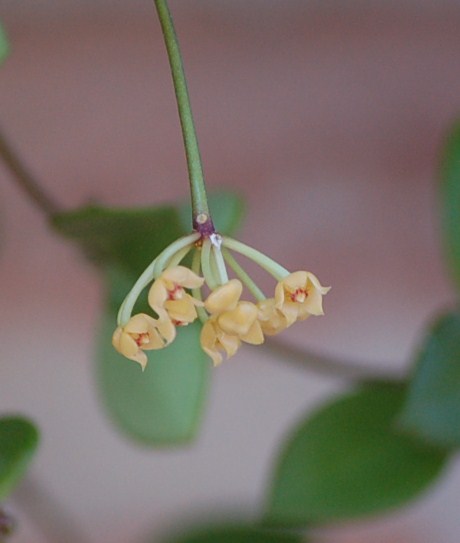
242	322
213	340
231	322
272	319
142	333
299	295
168	297
224	298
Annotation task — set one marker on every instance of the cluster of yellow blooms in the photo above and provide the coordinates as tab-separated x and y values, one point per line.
175	296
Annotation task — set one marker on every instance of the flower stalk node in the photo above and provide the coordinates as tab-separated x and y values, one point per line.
202	223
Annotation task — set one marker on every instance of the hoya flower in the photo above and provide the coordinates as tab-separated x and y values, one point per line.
224	298
231	322
214	340
168	297
140	334
242	322
300	295
272	320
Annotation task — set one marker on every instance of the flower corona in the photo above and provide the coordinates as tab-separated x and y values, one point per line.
176	299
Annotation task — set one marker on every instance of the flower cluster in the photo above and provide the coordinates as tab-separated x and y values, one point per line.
176	299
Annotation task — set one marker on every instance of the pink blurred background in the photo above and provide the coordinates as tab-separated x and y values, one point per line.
329	118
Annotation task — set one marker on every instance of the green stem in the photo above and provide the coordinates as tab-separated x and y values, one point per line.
216	255
168	253
243	276
201	217
196	292
327	365
206	268
265	262
26	180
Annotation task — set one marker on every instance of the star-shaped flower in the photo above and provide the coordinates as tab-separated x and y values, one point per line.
169	299
300	295
140	334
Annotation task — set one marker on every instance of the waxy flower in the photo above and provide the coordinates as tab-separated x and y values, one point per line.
300	295
214	340
140	334
272	320
231	322
168	297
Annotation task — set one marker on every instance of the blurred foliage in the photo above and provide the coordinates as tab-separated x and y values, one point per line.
450	200
18	442
347	460
7	525
233	533
4	45
432	408
127	238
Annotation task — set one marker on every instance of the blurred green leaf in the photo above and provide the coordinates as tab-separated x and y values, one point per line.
231	533
162	405
4	45
18	442
450	200
132	238
346	461
227	209
432	408
129	238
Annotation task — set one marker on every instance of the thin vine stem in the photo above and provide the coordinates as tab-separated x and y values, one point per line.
200	209
26	180
328	365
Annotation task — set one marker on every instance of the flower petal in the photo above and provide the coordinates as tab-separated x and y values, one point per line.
225	297
180	275
238	321
255	335
271	319
182	310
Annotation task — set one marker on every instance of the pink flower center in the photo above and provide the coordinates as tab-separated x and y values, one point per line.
141	339
299	295
179	323
176	293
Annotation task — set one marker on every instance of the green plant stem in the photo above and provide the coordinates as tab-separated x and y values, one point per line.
344	369
200	208
26	180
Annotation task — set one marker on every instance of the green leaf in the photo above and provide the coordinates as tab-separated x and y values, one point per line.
227	209
4	45
346	461
18	442
131	238
233	533
128	238
432	408
450	201
162	405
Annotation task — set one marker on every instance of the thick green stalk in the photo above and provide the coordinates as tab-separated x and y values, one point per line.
201	217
